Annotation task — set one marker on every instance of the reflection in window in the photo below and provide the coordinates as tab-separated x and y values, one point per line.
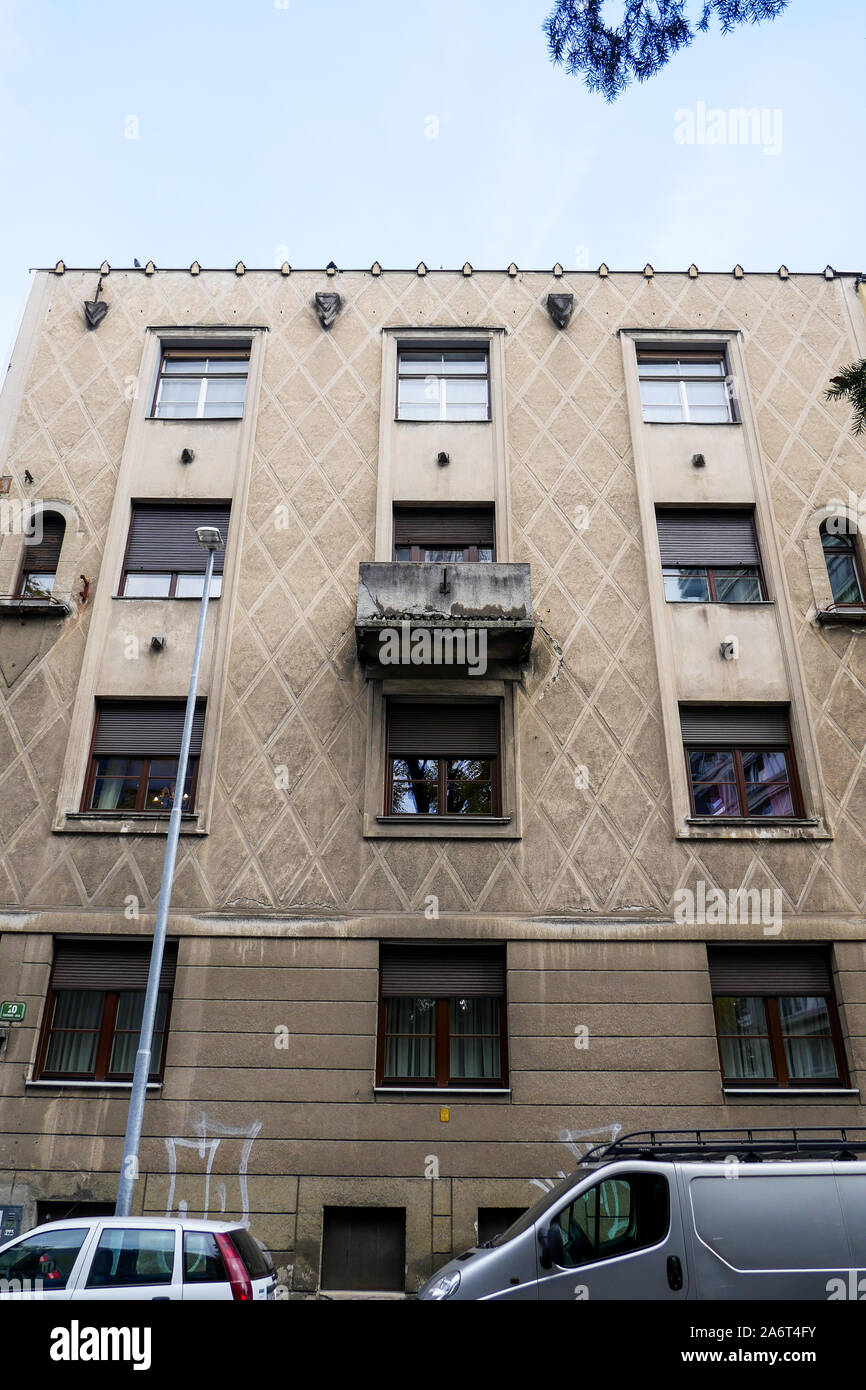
843	561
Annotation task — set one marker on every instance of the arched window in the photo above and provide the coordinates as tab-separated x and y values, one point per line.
42	555
843	562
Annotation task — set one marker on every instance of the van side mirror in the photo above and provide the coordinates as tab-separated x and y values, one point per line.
552	1248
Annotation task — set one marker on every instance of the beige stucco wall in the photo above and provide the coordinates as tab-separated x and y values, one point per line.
280	900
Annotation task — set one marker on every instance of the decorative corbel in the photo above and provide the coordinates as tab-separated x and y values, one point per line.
328	307
560	307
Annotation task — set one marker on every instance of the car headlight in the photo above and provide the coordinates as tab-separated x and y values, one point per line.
445	1285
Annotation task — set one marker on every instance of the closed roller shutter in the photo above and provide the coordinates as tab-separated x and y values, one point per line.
45	557
442	972
162	537
705	536
146	729
721	725
456	526
750	970
109	965
443	730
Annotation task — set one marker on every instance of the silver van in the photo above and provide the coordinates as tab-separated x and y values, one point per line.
758	1214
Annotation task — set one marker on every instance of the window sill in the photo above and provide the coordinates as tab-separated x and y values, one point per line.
163	598
125	823
25	606
696	424
88	1085
196	419
753	828
790	1091
708	603
841	617
398	420
447	1092
441	827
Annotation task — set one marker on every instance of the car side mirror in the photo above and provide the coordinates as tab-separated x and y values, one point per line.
552	1249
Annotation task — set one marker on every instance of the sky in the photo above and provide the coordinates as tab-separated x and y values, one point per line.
408	130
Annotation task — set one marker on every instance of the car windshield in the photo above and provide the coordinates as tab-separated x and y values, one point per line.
529	1217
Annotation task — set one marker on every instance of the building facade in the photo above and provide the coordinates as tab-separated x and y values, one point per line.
527	803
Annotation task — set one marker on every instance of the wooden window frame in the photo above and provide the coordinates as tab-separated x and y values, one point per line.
740	782
105	1040
442	1049
146	760
781	1078
442	812
710	571
678	354
444	375
854	552
197	354
470	555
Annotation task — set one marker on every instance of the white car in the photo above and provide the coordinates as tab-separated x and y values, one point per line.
102	1258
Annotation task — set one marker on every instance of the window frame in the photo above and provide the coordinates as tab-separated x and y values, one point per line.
740	781
26	572
105	1039
197	352
442	1080
443	350
144	776
852	549
174	575
442	814
710	571
685	353
781	1079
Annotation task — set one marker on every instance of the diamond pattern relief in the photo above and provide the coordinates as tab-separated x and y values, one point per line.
295	699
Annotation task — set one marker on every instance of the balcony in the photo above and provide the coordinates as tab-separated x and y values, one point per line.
433	619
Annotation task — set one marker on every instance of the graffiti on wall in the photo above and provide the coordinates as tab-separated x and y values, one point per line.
191	1167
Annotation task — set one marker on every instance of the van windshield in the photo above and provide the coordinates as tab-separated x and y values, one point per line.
529	1217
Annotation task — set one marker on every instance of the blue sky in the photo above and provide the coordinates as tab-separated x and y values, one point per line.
294	129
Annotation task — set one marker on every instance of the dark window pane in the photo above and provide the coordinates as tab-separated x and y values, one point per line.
410	1037
48	1256
415	799
809	1050
75	1028
475	1052
714	765
128	1258
202	1261
716	799
746	1055
844	580
469	798
485	553
403	552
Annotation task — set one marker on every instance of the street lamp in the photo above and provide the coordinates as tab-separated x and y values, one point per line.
210	539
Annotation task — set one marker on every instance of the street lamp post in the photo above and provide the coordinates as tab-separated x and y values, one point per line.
210	539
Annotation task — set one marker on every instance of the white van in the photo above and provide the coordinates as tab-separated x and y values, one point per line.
757	1214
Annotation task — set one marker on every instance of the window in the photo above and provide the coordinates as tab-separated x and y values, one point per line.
740	762
437	384
201	383
614	1217
685	387
163	557
202	1259
129	1257
442	1016
94	1009
134	761
776	1018
41	558
843	562
443	759
709	555
48	1256
444	535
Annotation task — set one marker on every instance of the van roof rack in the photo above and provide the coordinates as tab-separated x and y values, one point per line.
745	1145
